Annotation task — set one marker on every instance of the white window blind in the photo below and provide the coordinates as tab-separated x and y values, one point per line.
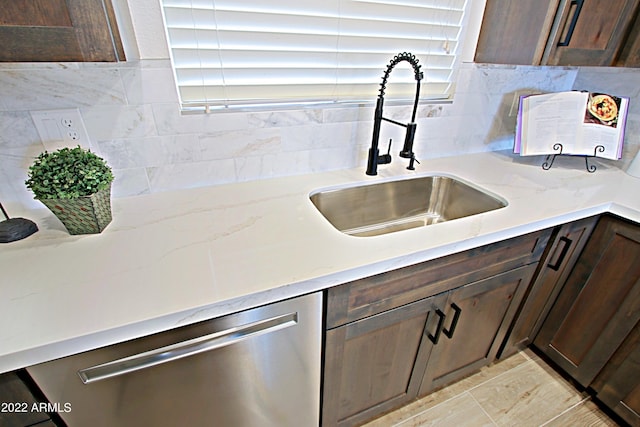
244	52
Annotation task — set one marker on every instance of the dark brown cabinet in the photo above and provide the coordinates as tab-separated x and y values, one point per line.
400	334
369	363
559	32
630	56
565	246
476	317
618	385
598	305
378	363
59	31
515	32
591	32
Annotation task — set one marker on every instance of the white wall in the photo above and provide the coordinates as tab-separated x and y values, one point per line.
131	113
143	35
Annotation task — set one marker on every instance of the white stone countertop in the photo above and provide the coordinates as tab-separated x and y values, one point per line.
175	258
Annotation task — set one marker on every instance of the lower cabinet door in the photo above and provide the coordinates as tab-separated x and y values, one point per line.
477	317
369	364
555	266
618	386
598	305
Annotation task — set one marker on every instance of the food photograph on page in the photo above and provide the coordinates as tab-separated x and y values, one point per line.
602	109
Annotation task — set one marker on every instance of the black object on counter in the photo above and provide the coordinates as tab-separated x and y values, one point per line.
12	229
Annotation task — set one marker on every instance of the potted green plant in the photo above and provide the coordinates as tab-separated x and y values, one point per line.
75	184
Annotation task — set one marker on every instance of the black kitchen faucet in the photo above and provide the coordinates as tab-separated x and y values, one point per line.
375	158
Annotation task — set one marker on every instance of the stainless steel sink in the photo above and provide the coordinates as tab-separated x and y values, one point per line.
386	207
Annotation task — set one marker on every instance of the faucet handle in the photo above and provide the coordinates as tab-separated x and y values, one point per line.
413	159
385	158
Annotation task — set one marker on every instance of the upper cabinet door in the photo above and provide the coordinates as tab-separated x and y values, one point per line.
590	32
630	56
59	31
560	32
515	32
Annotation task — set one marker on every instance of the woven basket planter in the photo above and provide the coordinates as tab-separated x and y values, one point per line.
83	215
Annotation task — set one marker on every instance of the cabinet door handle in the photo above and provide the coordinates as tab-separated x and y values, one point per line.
577	4
435	338
454	322
563	253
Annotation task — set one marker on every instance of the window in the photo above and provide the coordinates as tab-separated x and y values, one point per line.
253	52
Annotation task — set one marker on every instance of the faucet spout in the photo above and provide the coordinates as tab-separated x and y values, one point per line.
407	150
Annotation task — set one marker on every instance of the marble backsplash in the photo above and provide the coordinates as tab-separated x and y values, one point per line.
131	114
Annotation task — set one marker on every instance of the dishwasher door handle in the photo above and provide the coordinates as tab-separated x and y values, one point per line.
186	348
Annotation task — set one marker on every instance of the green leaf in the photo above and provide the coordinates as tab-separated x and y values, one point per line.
68	173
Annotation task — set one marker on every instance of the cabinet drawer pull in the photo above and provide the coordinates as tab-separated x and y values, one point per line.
454	322
565	248
577	5
435	338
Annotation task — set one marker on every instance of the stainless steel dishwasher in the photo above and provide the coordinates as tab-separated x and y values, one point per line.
260	368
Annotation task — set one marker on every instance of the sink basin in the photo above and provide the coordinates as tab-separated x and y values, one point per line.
387	207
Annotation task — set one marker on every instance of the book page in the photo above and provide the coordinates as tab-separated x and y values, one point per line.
583	123
602	132
551	119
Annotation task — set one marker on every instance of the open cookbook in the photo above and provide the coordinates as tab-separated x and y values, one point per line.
577	123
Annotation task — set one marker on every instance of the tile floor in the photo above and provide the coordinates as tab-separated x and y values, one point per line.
519	391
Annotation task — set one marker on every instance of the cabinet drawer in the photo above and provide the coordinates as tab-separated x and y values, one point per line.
366	297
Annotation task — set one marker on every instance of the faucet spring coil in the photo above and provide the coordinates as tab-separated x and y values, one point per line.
404	56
